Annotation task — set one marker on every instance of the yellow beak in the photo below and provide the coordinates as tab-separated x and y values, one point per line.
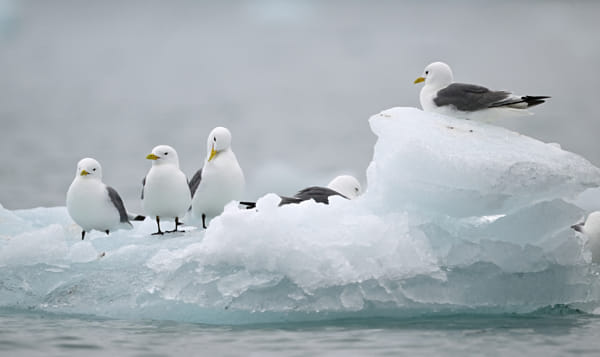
419	80
152	157
84	173
213	153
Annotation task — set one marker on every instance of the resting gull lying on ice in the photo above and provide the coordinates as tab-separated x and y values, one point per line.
440	94
345	186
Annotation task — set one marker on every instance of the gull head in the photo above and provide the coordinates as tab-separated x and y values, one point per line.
437	74
218	140
163	155
89	168
346	185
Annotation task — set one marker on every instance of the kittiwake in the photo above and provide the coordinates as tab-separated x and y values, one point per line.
220	180
440	94
92	204
591	229
345	186
165	191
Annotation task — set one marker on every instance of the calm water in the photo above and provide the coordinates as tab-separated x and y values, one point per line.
32	334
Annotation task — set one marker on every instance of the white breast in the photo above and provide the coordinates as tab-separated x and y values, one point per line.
166	193
90	206
426	98
222	182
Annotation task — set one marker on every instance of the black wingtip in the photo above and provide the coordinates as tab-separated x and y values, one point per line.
533	100
577	227
139	218
249	205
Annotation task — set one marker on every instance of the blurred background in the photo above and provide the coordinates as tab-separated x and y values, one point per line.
294	81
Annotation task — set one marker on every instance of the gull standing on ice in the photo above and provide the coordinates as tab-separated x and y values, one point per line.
165	191
220	180
92	204
440	94
591	229
345	186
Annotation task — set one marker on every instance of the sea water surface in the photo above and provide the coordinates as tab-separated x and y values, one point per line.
553	332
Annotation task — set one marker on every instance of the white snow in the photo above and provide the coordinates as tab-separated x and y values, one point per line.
457	216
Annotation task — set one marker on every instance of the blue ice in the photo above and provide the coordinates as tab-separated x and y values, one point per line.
457	216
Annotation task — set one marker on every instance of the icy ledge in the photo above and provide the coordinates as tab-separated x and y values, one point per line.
458	216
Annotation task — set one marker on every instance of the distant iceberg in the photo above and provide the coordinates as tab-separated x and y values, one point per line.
458	216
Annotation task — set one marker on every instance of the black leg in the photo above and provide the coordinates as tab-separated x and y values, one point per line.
82	235
107	232
203	221
158	225
176	225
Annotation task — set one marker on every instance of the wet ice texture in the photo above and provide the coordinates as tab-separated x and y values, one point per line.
457	216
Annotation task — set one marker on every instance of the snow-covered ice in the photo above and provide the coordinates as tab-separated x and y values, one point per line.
457	216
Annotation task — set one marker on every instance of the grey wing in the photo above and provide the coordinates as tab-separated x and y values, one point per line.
118	202
288	200
470	97
195	182
578	227
143	186
319	194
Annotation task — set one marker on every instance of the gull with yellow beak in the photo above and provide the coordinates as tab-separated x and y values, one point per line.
220	180
441	95
165	191
92	204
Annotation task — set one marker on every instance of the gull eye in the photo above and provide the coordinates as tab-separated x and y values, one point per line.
426	72
215	139
166	153
356	189
94	169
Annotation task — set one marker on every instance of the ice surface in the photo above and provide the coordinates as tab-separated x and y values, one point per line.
457	216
